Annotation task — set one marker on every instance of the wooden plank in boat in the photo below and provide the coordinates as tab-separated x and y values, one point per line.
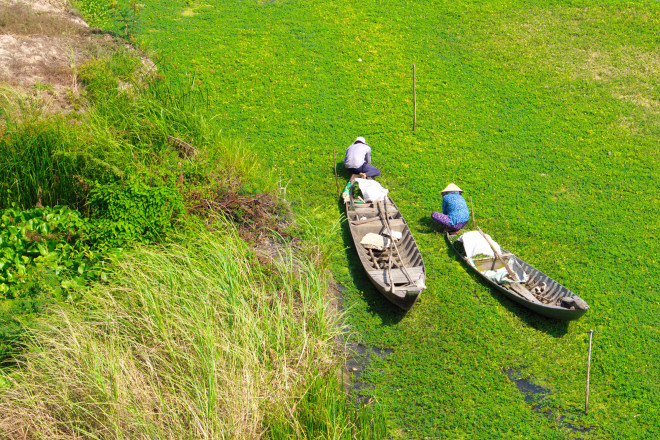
396	224
398	276
522	291
391	207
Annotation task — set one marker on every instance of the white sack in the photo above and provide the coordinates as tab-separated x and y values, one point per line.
475	244
396	235
375	241
372	191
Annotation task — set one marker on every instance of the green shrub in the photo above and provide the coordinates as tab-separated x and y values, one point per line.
30	169
96	12
101	75
133	211
43	161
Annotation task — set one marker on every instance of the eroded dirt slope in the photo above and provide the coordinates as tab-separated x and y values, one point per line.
41	44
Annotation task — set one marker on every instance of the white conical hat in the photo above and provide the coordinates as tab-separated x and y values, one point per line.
360	139
451	188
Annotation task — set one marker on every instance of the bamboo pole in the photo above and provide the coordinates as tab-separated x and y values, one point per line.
334	157
511	273
474	219
414	97
386	222
586	397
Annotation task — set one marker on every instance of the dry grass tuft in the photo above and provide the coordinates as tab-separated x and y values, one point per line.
197	343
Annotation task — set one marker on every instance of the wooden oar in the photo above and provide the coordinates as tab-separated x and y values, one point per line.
389	231
389	259
367	220
512	274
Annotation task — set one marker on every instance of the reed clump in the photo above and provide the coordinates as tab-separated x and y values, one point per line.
191	340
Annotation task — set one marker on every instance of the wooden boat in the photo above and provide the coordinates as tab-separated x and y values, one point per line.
539	292
397	271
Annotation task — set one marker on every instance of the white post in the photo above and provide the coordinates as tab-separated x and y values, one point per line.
586	399
414	98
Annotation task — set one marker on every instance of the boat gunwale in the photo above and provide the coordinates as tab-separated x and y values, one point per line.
547	310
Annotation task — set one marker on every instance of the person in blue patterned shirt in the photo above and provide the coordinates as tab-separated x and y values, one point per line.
455	212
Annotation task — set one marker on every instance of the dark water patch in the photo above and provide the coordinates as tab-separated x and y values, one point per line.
530	391
536	396
358	357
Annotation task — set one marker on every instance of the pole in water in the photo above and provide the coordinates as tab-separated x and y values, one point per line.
586	398
414	98
334	158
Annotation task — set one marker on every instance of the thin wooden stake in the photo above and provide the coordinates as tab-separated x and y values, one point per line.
586	398
334	158
474	219
414	98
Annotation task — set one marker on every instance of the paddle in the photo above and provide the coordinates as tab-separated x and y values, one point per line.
514	287
385	217
512	274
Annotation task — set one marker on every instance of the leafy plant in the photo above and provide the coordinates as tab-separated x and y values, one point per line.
127	14
96	12
47	250
134	212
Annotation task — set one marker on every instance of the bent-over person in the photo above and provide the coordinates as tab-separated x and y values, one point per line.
455	212
358	159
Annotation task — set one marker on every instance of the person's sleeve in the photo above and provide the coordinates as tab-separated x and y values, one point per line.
368	156
444	205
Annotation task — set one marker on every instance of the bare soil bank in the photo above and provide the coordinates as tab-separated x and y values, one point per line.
42	43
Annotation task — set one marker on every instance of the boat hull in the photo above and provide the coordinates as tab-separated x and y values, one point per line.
403	280
560	297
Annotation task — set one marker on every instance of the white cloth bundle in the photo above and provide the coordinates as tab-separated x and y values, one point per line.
372	191
375	241
475	244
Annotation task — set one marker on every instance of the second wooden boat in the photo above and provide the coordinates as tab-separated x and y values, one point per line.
535	290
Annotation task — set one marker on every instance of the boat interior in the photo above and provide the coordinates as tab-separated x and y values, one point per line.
367	218
541	288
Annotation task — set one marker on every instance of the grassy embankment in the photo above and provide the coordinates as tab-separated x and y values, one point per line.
546	114
130	305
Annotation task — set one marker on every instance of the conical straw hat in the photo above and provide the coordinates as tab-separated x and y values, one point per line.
451	188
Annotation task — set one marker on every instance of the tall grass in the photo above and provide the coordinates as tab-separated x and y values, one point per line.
31	169
196	340
127	120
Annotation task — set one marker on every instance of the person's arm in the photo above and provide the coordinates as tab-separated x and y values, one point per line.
368	156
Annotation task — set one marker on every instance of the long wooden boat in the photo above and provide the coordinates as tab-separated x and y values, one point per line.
539	292
397	271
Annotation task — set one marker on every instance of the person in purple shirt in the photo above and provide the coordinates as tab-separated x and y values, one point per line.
455	213
358	159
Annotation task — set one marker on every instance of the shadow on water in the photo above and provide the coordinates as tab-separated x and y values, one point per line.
342	173
428	226
357	357
552	327
536	396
